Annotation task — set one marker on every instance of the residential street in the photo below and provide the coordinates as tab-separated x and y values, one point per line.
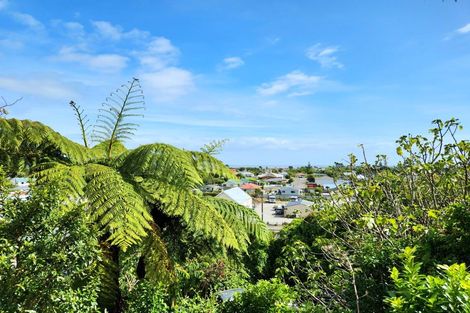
268	214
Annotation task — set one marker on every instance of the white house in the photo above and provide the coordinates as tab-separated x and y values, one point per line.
246	174
237	195
301	208
289	191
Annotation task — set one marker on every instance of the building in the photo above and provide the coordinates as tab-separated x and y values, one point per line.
300	208
231	183
237	195
211	188
287	192
246	174
250	188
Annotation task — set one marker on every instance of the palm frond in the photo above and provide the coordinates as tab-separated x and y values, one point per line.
116	206
120	105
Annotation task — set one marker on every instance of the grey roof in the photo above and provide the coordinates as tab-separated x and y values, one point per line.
304	202
228	294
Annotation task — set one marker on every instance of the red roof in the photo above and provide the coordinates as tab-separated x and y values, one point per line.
249	186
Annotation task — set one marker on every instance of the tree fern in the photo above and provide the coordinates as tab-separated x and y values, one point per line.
121	104
116	206
197	214
82	121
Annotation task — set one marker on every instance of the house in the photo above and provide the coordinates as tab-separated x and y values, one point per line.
300	208
237	195
250	188
20	187
231	183
289	191
211	188
270	175
246	174
312	185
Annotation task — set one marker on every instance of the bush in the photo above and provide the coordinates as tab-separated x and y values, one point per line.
449	291
264	297
48	257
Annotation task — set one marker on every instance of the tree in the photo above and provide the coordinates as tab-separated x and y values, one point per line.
49	256
130	194
6	104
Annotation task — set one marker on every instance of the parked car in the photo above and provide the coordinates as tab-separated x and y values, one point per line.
279	210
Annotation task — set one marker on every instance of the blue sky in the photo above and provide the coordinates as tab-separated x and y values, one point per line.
287	82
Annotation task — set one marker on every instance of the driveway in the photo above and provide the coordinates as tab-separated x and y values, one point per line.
268	214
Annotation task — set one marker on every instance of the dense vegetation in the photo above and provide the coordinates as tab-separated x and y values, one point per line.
107	228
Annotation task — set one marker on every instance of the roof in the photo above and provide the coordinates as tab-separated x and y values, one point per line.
228	294
250	186
304	202
236	194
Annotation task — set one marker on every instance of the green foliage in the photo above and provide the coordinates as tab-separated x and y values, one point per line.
449	291
112	125
214	147
147	297
49	256
339	257
264	297
131	197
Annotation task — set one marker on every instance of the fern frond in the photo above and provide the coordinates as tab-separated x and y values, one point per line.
158	264
82	121
239	215
121	104
164	163
109	282
70	178
33	143
208	166
214	147
100	151
197	213
116	206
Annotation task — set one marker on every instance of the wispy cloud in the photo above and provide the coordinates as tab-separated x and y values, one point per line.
324	55
231	63
168	83
27	20
159	53
464	30
295	83
101	62
201	122
115	32
41	87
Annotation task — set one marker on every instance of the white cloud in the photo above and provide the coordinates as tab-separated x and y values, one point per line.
296	83
37	87
464	30
160	53
115	32
324	55
27	20
75	28
101	62
232	63
168	83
